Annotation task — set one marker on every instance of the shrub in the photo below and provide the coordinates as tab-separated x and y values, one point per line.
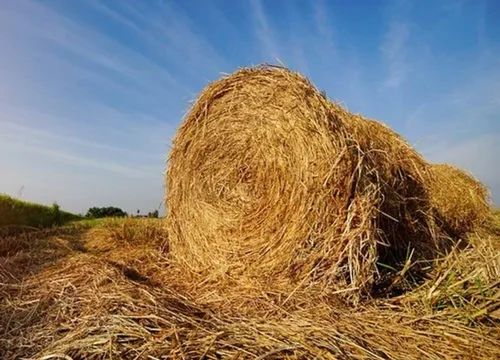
100	212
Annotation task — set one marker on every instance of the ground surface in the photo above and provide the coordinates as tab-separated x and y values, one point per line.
109	290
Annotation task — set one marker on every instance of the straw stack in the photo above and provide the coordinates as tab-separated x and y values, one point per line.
270	179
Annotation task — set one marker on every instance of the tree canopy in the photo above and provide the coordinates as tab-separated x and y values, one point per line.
110	211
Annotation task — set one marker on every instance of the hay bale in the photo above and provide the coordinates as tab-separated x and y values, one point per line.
268	178
459	201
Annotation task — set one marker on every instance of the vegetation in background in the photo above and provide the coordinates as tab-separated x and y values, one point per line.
100	212
22	213
153	214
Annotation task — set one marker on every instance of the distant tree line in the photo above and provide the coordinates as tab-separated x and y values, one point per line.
153	214
100	212
111	211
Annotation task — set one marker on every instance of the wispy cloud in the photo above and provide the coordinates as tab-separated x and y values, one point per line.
323	25
80	161
77	56
51	137
18	138
173	37
264	32
394	50
116	15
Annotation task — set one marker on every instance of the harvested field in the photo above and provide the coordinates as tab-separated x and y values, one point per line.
295	230
117	295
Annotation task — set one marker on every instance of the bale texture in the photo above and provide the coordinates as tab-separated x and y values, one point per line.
459	201
268	178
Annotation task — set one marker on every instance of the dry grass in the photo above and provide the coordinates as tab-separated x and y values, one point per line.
459	200
296	230
122	298
269	181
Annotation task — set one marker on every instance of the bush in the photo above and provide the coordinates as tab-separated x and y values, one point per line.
100	212
56	211
153	214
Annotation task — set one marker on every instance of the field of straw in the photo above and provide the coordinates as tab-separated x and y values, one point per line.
294	230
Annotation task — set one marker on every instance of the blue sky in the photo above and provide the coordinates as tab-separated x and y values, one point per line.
91	92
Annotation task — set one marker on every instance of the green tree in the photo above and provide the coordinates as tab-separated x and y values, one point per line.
100	212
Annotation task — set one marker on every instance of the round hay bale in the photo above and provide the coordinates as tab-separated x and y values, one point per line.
460	202
267	177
